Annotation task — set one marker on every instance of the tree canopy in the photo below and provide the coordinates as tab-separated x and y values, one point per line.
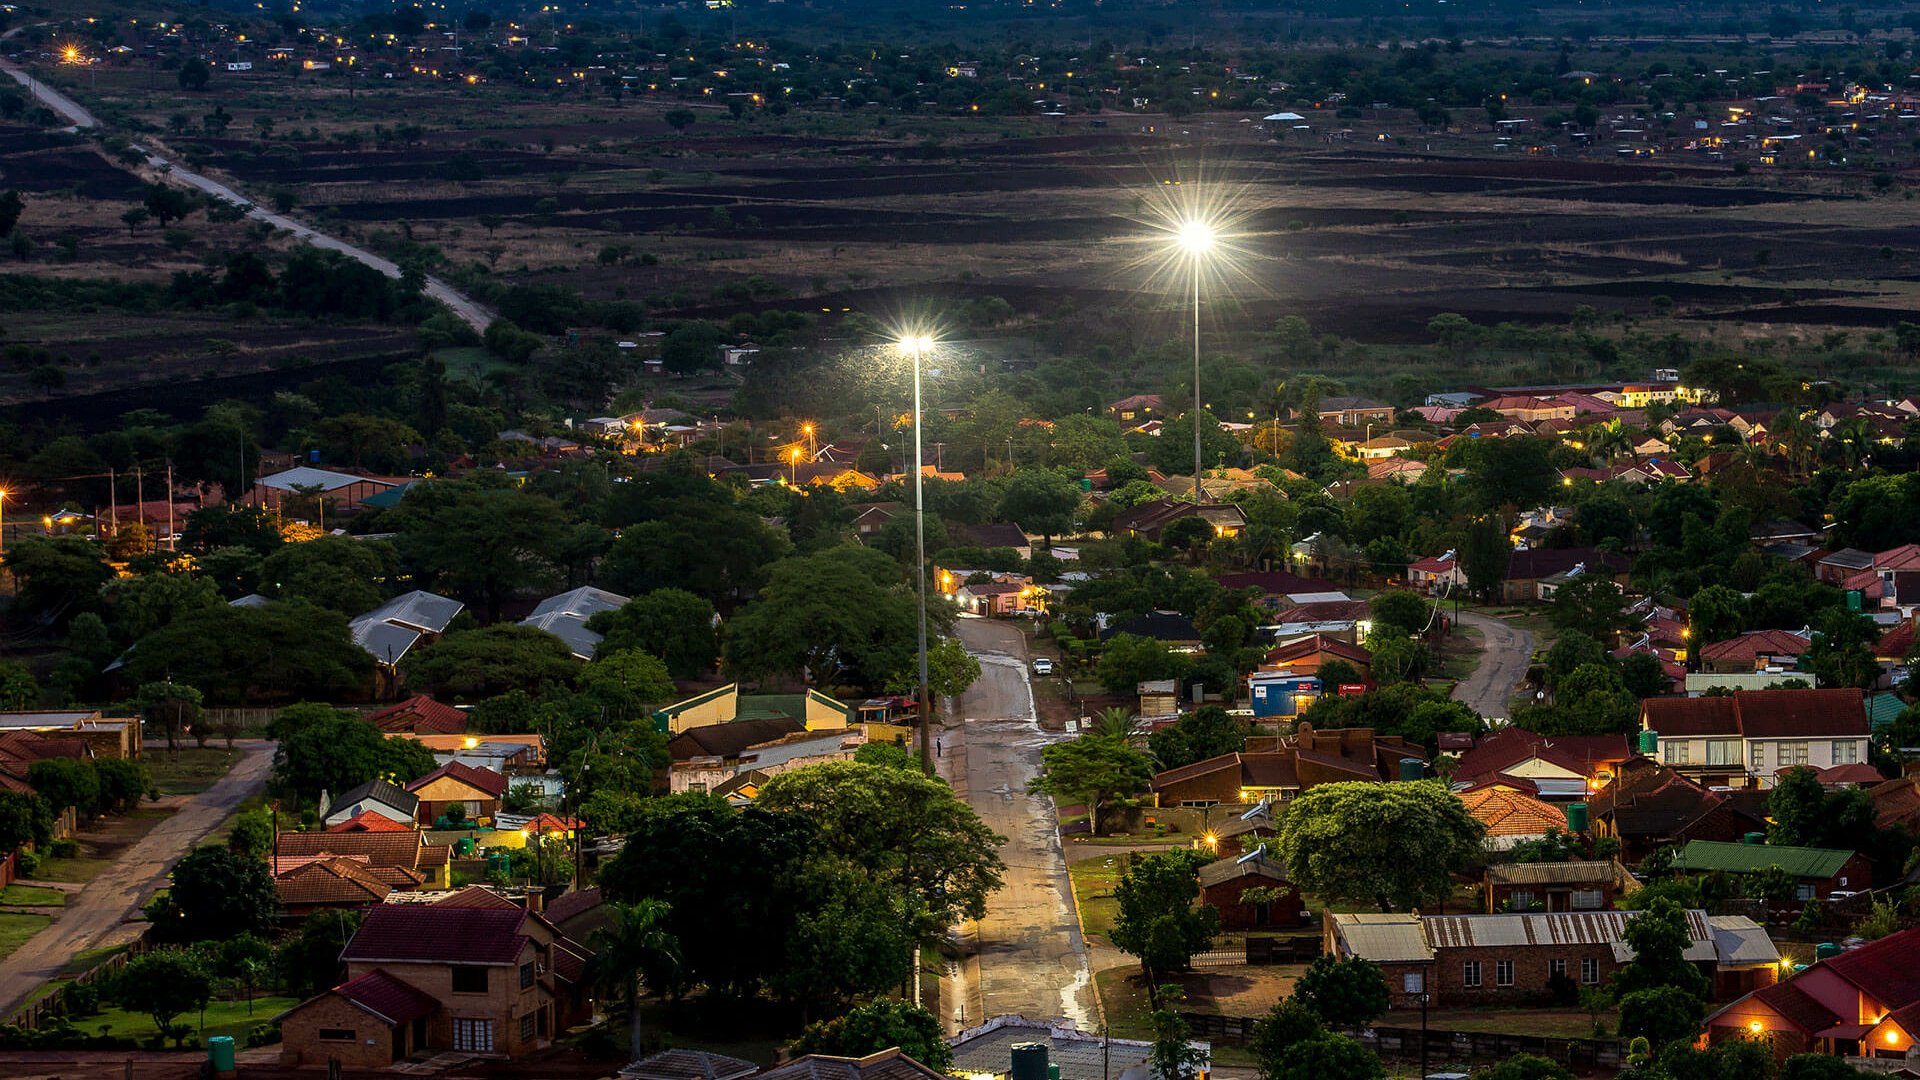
1390	844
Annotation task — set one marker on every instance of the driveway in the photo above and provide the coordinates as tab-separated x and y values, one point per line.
97	915
76	114
1026	955
1506	651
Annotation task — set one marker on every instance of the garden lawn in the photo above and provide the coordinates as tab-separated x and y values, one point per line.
16	929
189	770
31	896
1093	884
223	1018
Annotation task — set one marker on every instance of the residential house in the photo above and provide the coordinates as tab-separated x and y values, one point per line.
373	797
1551	767
1586	885
1354	412
1439	574
1863	1002
1224	884
1007	596
477	792
726	704
476	979
343	491
369	821
565	617
890	1064
1529	409
1243	832
1281	694
1307	655
512	756
727	741
1340	620
1755	650
991	535
986	1051
1837	568
1816	872
1527	569
339	882
1650	806
1149	520
1743	738
1280	767
1511	815
116	738
1381	447
1170	627
1404	470
1277	587
764	760
377	848
1136	408
688	1065
407	620
1896	802
419	715
870	518
1469	961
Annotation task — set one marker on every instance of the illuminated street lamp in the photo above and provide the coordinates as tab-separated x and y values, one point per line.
1196	238
916	346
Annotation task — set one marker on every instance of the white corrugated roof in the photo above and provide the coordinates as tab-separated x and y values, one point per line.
583	601
423	611
307	476
1383	938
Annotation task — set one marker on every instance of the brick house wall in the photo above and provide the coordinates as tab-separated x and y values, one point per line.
505	1005
370	1046
1220	786
1234	915
1530	972
1550	898
1396	976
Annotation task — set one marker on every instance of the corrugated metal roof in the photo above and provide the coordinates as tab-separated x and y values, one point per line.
1383	938
417	609
1801	862
1740	941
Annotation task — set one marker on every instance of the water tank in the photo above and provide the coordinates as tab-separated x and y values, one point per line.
1412	768
1576	818
220	1054
1029	1061
1053	1071
1754	838
1649	742
464	846
1853	600
1826	950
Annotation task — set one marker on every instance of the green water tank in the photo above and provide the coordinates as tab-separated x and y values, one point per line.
1754	838
1826	950
220	1054
1029	1060
463	847
1649	742
1576	818
1412	768
1053	1071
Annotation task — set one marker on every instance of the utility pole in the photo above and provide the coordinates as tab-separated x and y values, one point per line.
172	544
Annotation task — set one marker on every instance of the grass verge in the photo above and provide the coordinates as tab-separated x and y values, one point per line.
189	770
222	1018
1093	885
16	929
32	896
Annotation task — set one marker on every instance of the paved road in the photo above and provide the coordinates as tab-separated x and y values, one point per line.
1028	956
96	915
1506	650
73	112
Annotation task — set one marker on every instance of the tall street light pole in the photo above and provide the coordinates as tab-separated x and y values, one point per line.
916	347
1196	238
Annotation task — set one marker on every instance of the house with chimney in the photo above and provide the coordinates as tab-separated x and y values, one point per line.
1650	806
1278	768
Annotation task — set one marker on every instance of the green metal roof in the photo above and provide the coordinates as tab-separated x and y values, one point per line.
1882	709
389	498
1802	862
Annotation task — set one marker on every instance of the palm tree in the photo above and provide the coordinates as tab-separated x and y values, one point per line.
1856	440
633	947
1117	722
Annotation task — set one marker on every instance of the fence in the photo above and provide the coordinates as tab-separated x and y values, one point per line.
33	1014
1441	1045
1232	950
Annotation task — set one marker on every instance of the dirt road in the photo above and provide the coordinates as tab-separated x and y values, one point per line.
72	111
1027	955
96	915
1506	650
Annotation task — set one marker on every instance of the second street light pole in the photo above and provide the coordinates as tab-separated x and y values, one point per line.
915	346
1197	497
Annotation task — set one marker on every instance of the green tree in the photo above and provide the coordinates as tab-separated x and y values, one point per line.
237	655
333	751
1483	558
122	783
1127	660
1158	921
1040	501
482	544
1590	604
172	707
310	961
631	949
1390	844
24	819
489	661
1095	769
1818	1067
876	1026
1716	613
720	552
56	577
672	624
1661	1014
163	984
1327	1057
141	604
1288	1023
1343	993
64	782
839	616
1173	1055
1207	732
1658	937
18	690
1802	812
1172	451
627	684
215	893
1402	610
1529	1067
339	573
252	834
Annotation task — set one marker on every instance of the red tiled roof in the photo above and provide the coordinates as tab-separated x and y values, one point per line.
1509	813
380	848
1797	1008
1510	746
1434	565
388	997
1197	768
1755	644
421	715
486	780
1858	774
429	933
1775	714
1884	969
1904	557
1687	717
476	896
368	821
1896	802
1895	644
573	904
1318	643
331	881
1324	611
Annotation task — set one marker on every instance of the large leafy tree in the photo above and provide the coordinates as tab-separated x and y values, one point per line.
672	624
838	616
905	829
310	961
1096	769
1390	844
1591	604
880	1025
1658	937
1802	812
1040	501
1661	1014
66	782
1158	921
632	949
239	654
1127	660
216	893
23	818
1343	993
1205	733
144	603
56	577
334	572
713	549
163	984
490	660
332	751
1327	1056
480	543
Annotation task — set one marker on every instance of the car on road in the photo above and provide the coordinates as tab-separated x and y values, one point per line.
1042	666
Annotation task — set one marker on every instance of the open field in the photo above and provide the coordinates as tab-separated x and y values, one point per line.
189	770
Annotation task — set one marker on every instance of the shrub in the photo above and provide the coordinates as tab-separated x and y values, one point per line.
63	849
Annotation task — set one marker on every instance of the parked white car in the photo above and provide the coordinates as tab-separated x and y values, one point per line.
1042	666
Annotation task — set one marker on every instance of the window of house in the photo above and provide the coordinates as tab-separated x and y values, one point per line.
1793	753
1522	900
526	976
1679	752
1845	752
1503	973
1759	757
1414	982
475	1036
1723	752
1589	971
1588	900
526	1026
1803	892
1470	974
338	1034
1556	969
1197	804
469	980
